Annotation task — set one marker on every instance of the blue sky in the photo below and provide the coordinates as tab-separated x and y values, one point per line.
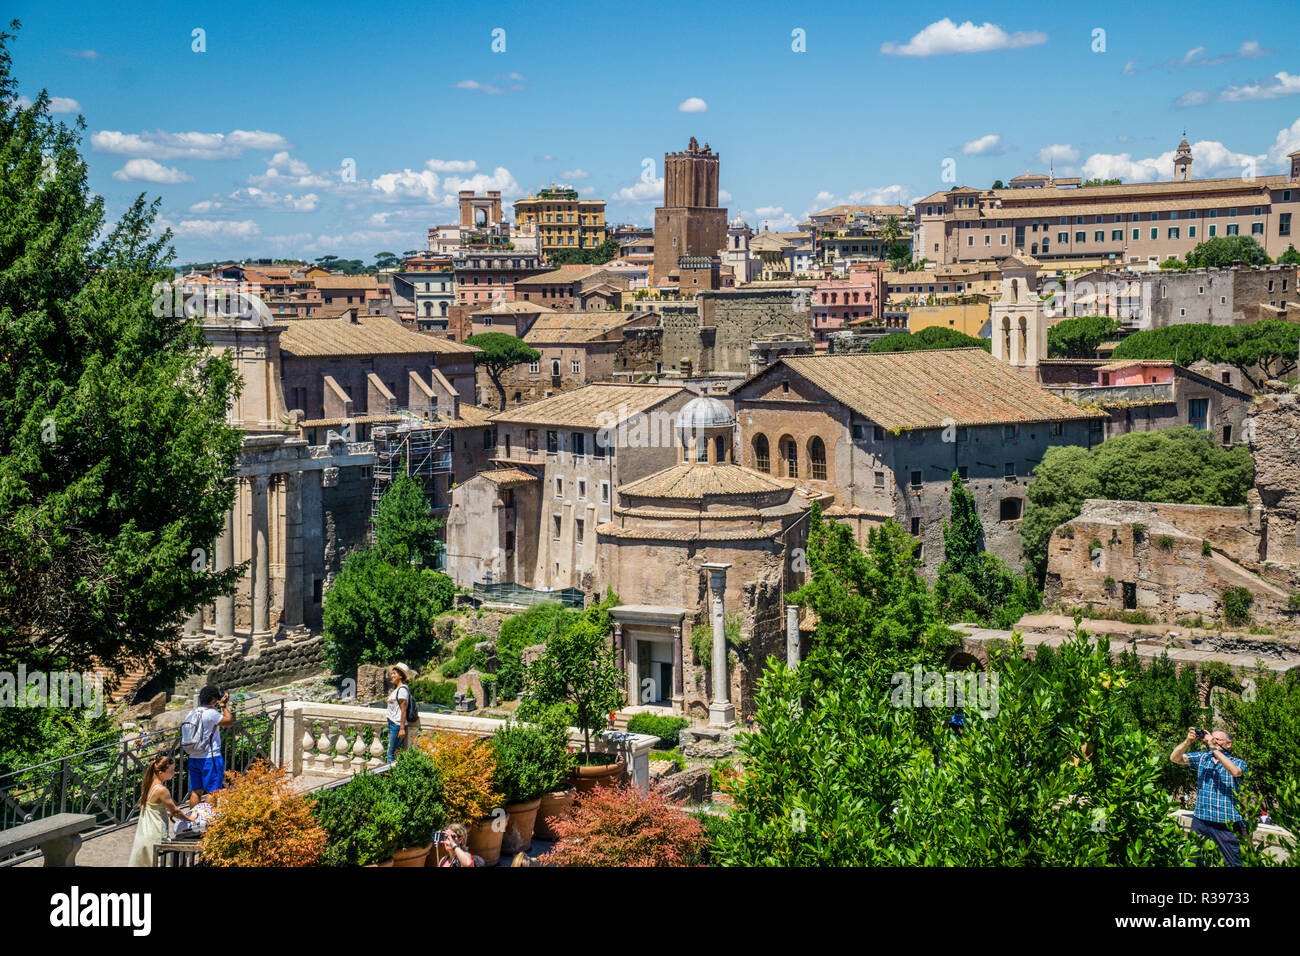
247	142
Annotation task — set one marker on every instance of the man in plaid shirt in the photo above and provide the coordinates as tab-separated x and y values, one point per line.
1218	774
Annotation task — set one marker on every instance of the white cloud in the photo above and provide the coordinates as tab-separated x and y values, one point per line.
149	171
408	183
1278	85
480	87
1287	141
724	196
285	172
990	145
1196	57
642	191
1210	159
575	174
771	217
1251	50
211	228
451	165
944	36
499	178
254	197
426	185
1194	98
692	104
83	54
162	145
58	104
1058	153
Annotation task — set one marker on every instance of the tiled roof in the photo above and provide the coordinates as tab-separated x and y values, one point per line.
507	477
870	210
558	277
932	388
518	307
592	406
368	335
576	326
1130	363
693	481
346	282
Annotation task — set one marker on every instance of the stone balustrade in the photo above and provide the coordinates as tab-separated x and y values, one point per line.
339	740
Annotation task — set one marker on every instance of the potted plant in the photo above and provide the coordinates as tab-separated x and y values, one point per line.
578	670
417	786
262	822
470	793
362	820
531	760
621	826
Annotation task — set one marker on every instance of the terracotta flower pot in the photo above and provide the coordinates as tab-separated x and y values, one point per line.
485	840
552	807
413	855
521	818
586	779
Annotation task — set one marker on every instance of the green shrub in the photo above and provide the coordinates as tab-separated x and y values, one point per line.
363	819
417	786
533	626
1236	606
1109	584
440	692
1293	602
532	759
1165	542
1205	548
464	658
667	729
702	639
1139	530
1094	544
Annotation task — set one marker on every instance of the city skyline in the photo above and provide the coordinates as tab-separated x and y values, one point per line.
882	107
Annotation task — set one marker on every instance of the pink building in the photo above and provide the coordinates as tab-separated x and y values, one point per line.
840	300
1146	372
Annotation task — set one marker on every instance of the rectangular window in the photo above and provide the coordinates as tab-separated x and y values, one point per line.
1135	235
1191	232
1257	229
578	527
880	479
552	442
604	492
582	489
916	527
1009	469
557	522
1173	232
534	367
1284	224
1055	429
1155	232
1232	230
1080	237
575	366
1117	235
579	443
1008	432
963	472
1213	230
877	433
559	486
1099	235
1062	237
916	479
1198	413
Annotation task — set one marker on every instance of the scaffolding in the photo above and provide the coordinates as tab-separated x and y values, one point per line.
418	445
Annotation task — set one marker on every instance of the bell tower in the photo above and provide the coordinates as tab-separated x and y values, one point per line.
1183	161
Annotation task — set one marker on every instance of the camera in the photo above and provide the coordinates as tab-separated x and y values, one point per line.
1201	735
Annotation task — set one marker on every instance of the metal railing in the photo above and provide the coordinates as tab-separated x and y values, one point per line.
105	781
508	592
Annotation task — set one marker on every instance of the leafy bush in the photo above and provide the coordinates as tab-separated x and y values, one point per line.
533	626
465	658
667	729
262	822
1264	732
467	768
1236	606
439	692
417	785
714	825
377	612
1206	549
532	759
363	819
621	826
1165	542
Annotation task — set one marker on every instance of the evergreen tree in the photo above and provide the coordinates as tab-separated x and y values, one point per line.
406	532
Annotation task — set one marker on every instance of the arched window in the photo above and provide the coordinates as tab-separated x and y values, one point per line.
443	307
719	450
762	455
790	452
817	459
428	309
701	447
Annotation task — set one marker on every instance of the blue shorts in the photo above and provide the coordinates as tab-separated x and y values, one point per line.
207	774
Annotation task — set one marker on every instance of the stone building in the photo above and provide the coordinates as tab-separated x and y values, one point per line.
581	348
562	221
883	433
562	460
1131	222
574	290
690	222
717	338
705	533
1175	560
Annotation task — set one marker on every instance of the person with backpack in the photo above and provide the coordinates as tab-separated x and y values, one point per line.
201	741
403	715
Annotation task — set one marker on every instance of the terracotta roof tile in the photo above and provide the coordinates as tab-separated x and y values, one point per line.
591	406
933	388
507	477
692	481
368	335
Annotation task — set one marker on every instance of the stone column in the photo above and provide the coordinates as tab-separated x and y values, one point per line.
225	560
260	585
292	549
721	711
792	635
619	652
678	678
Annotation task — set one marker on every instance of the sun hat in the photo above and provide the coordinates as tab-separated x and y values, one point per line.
405	671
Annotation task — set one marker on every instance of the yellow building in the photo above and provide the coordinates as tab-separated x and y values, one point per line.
563	221
972	319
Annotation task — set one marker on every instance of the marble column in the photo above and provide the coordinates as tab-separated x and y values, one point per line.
792	635
225	560
292	549
678	679
619	651
260	585
721	711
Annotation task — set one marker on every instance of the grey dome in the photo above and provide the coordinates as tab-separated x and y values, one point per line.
704	412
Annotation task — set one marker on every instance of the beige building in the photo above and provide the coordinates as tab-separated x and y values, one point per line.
1132	222
574	451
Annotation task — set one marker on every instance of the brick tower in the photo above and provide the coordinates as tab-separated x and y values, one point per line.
690	222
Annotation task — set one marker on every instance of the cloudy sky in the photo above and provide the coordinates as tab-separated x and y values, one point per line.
339	130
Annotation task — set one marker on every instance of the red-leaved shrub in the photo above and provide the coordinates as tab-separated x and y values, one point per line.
261	821
621	826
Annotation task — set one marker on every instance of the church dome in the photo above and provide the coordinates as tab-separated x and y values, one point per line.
739	223
703	412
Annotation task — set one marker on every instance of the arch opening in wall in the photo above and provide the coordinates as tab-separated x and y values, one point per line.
816	459
762	454
790	455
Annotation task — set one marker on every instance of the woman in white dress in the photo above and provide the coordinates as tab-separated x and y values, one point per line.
156	805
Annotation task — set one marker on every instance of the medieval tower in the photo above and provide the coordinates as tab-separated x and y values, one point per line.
689	223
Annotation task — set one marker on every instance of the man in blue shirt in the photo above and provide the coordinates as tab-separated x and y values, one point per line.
1218	775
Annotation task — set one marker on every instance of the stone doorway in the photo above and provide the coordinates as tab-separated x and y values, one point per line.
651	676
